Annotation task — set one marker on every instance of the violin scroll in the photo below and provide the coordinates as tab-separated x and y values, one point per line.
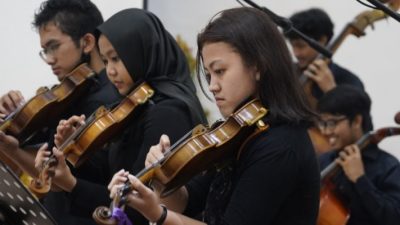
41	185
103	216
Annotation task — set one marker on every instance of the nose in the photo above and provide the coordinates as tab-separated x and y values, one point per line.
213	85
111	71
50	60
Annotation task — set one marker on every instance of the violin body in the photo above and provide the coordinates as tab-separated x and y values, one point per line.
99	128
47	105
106	125
208	148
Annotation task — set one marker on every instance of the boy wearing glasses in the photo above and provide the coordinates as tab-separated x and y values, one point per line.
369	182
66	35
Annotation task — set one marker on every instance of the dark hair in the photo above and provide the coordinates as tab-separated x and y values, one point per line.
257	40
313	22
74	17
349	101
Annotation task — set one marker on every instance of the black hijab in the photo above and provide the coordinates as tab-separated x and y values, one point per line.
151	54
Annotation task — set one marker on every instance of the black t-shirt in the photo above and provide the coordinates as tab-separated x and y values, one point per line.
275	181
375	198
342	76
129	152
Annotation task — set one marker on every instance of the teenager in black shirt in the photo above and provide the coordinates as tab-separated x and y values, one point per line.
369	182
275	180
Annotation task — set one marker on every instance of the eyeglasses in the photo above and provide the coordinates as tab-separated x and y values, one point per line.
49	51
329	124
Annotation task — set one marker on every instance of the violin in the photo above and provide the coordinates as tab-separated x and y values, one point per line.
188	157
331	209
356	28
47	105
99	128
44	108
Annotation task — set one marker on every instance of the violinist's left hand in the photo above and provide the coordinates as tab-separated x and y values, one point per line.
63	177
319	72
351	162
141	198
65	128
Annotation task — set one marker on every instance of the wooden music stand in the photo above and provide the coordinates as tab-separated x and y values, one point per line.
17	205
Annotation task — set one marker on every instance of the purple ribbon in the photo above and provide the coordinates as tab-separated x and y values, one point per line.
121	217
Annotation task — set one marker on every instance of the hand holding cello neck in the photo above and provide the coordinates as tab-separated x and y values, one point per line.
372	137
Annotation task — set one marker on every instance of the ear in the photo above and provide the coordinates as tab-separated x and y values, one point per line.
256	73
258	76
88	42
323	40
357	122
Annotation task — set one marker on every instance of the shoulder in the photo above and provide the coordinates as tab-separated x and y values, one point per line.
162	108
344	76
387	160
282	140
103	91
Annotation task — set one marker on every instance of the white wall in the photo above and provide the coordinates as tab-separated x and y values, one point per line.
21	67
373	57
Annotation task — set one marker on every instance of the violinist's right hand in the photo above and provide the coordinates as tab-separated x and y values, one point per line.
66	127
10	102
157	152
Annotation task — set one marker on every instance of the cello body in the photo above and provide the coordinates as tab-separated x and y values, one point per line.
331	208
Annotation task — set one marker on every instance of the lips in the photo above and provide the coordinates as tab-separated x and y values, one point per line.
118	84
219	100
56	70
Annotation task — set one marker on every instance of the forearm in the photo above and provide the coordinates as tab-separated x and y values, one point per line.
87	196
174	218
176	201
25	159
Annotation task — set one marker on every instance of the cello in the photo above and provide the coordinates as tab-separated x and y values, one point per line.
197	151
356	28
331	209
99	128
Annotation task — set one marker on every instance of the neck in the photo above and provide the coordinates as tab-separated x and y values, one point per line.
95	61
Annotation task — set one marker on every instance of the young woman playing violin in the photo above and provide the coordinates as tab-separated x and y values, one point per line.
275	180
135	48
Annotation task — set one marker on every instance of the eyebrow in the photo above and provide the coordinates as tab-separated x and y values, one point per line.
50	42
109	52
213	63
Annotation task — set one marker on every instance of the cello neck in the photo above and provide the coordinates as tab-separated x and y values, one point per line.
372	137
